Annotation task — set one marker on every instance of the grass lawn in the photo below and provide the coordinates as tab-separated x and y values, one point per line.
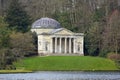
52	63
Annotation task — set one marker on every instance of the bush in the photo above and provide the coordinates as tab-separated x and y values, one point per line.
113	56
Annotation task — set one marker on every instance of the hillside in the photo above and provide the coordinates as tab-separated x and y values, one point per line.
66	63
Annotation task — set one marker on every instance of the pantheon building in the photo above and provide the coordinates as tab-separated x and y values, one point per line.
53	39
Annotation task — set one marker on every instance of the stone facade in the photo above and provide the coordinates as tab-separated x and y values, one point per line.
53	40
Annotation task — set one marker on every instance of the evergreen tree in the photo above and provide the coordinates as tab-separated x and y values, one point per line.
63	18
4	34
17	18
5	55
93	39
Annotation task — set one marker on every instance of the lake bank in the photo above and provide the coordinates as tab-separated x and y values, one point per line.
28	71
15	71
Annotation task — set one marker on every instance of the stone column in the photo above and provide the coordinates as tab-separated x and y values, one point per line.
82	48
60	45
39	47
55	44
65	45
74	45
51	47
69	45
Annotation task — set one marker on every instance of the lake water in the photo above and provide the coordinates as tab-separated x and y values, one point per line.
62	75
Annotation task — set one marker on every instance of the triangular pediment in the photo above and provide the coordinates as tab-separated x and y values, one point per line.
64	31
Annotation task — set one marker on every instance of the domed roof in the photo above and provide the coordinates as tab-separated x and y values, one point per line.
46	23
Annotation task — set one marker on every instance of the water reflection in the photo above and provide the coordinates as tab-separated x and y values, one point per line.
59	75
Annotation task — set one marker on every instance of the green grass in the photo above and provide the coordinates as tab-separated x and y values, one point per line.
53	63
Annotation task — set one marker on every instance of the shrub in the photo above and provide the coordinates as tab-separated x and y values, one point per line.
113	56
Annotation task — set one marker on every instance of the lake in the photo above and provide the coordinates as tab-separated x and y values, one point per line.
62	75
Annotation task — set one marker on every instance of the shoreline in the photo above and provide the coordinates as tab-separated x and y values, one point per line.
29	71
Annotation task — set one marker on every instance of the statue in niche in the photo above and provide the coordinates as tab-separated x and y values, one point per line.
78	47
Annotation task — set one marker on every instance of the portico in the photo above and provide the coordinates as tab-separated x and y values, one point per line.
63	45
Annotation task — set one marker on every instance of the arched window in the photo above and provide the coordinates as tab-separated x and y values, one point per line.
78	47
46	47
39	42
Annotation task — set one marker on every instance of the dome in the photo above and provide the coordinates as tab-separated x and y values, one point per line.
46	23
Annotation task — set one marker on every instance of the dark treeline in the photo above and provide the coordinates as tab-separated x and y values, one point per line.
16	40
99	20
